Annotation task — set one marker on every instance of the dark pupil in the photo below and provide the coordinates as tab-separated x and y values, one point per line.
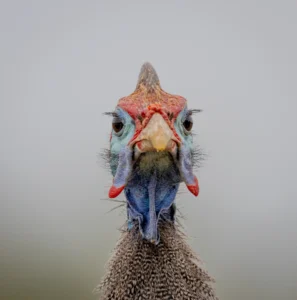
117	127
188	125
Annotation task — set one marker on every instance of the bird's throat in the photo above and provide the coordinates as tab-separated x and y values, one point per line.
150	193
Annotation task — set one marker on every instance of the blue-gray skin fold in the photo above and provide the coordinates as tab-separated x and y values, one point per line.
150	198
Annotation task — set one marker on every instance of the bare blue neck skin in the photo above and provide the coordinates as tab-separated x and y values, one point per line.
150	198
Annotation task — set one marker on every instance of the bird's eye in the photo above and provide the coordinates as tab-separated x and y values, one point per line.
188	124
117	126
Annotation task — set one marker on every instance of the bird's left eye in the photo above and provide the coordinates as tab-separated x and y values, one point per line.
188	124
117	126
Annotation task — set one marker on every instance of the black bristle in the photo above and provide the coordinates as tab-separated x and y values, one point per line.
104	158
195	111
111	114
198	156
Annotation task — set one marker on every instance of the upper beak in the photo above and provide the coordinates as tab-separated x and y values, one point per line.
156	136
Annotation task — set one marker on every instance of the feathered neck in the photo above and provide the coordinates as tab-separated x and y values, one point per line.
139	269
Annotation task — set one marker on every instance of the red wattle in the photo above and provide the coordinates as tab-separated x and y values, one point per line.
194	188
115	191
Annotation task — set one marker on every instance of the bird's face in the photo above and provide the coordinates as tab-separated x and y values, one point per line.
151	152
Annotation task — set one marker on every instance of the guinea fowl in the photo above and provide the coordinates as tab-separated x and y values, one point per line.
151	153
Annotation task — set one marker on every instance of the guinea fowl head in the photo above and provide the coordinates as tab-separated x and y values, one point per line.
151	153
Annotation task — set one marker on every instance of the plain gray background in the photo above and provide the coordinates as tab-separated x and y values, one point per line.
64	63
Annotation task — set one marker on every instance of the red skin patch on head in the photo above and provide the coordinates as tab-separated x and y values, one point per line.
141	101
142	105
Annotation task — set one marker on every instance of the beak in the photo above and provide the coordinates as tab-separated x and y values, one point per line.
156	136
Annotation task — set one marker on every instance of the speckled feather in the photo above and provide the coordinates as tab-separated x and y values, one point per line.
139	269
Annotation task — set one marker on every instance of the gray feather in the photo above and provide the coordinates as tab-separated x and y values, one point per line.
141	270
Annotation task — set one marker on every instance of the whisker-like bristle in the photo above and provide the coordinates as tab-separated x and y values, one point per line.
113	200
198	157
110	114
104	158
179	215
115	208
195	111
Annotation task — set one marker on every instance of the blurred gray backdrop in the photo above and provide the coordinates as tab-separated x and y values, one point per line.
64	63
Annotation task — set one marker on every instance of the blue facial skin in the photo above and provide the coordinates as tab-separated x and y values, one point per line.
119	141
153	179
